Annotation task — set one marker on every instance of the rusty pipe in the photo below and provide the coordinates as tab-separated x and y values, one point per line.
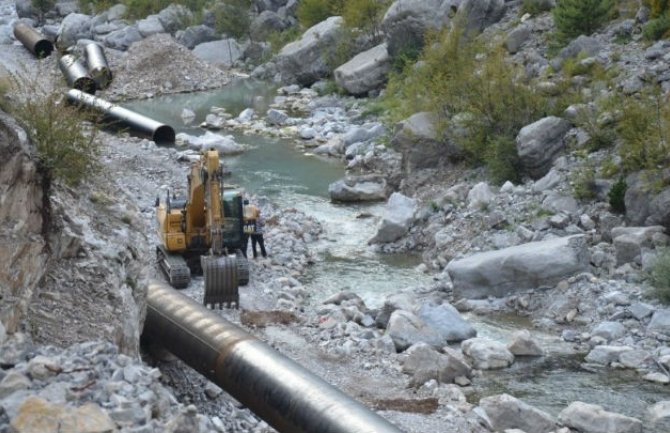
33	40
76	74
283	393
159	132
98	68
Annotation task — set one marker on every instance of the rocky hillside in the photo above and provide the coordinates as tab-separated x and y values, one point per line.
524	158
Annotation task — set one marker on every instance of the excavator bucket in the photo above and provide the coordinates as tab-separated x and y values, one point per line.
221	281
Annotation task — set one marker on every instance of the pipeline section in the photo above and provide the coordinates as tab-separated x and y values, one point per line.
33	40
283	393
76	74
98	68
159	132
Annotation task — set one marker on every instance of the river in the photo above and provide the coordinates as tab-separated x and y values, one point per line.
275	168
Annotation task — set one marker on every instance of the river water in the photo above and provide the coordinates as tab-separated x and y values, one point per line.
290	178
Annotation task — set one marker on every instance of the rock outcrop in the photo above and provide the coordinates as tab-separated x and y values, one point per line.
367	71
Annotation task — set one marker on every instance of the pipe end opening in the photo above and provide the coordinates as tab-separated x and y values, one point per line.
164	134
43	48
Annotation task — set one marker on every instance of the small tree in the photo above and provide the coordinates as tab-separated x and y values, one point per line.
365	14
580	17
232	18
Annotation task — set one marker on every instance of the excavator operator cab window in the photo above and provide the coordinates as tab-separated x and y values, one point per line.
232	211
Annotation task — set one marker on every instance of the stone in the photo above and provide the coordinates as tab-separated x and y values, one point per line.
12	382
507	412
480	14
629	241
74	27
609	330
174	17
590	418
660	322
658	415
365	72
3	334
480	196
42	367
487	354
223	53
150	25
195	35
406	329
397	219
276	117
363	133
356	189
517	37
212	391
305	61
246	115
539	143
417	139
511	270
123	38
557	202
265	24
446	320
659	209
425	363
89	418
523	344
583	45
657	377
406	22
38	415
640	310
548	181
606	355
635	359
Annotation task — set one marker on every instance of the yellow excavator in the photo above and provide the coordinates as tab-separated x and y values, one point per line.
203	233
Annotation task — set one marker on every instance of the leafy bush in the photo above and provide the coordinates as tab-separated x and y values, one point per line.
580	17
617	194
311	12
65	150
657	28
140	8
584	183
644	125
535	7
659	275
458	77
657	7
365	15
233	18
278	40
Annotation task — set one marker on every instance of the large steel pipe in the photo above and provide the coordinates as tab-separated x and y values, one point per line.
280	391
34	41
159	132
98	68
76	74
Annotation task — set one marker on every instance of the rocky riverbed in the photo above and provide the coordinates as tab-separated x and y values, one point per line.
573	270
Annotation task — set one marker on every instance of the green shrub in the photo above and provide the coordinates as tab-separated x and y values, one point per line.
233	18
535	7
657	28
659	276
657	7
278	40
458	77
311	12
502	160
65	150
584	183
365	15
580	17
43	6
140	8
644	125
617	194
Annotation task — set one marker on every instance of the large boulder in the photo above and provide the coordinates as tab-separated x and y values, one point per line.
356	189
539	143
503	272
195	35
406	22
305	61
266	23
660	322
487	354
606	355
645	205
406	329
591	418
446	320
224	52
480	14
659	415
365	72
417	139
507	412
24	255
630	241
151	25
175	17
123	38
398	218
74	27
424	363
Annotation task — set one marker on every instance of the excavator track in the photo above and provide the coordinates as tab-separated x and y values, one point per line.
175	268
242	268
221	281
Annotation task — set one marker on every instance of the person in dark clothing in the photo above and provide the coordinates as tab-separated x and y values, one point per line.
249	213
257	236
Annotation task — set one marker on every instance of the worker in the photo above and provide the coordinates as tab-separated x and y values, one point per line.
257	235
249	219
